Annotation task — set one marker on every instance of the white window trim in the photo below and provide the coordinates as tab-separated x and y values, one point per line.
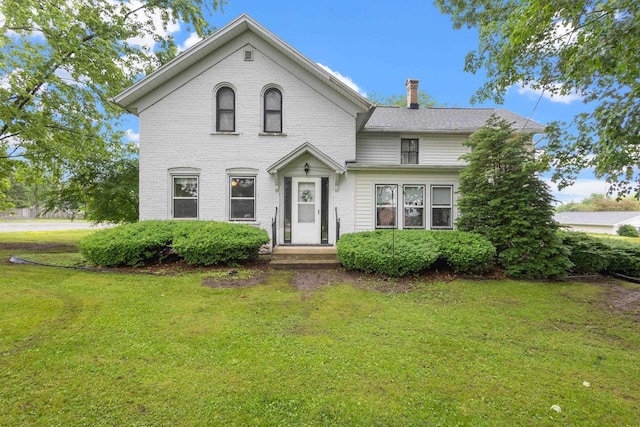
417	153
262	111
232	176
394	204
214	109
432	206
174	198
423	206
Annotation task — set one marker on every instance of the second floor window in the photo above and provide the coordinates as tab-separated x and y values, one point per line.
273	111
225	110
409	151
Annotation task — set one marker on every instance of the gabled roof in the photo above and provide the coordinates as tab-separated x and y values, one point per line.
442	120
596	218
304	149
230	31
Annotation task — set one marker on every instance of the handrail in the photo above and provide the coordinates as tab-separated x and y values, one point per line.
274	229
337	226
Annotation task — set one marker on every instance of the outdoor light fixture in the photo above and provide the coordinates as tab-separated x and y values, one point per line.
306	168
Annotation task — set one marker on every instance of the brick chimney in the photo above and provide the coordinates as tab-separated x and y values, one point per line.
412	93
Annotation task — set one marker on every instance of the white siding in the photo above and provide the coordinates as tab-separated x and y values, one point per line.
378	149
434	149
365	183
177	131
442	149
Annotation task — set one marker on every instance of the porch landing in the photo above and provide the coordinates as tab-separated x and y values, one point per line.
304	258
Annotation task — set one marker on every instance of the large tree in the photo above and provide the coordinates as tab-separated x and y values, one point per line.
61	61
584	48
502	198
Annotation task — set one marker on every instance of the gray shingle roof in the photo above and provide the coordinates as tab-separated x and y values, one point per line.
464	120
595	218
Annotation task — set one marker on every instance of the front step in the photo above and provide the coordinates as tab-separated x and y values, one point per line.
304	258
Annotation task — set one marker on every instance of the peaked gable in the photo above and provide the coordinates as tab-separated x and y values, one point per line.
127	98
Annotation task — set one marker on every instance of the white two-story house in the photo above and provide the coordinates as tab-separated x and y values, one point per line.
243	128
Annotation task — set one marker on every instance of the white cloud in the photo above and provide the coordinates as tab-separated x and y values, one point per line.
132	136
344	79
580	190
189	42
548	94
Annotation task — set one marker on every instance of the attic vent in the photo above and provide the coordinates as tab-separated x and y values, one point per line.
248	55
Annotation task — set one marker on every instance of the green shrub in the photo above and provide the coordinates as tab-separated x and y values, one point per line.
390	252
197	242
627	230
464	252
530	258
212	243
592	255
129	244
624	258
589	255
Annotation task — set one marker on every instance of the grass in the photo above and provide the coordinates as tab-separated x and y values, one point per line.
80	348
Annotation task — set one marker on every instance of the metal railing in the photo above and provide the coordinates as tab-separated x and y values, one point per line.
337	226
274	229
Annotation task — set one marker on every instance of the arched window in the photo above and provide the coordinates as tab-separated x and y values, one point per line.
225	110
273	111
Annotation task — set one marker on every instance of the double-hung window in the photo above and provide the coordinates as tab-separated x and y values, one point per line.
409	151
185	196
441	206
225	110
273	111
413	206
242	204
386	202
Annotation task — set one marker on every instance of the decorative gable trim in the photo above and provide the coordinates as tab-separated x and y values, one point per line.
199	51
306	148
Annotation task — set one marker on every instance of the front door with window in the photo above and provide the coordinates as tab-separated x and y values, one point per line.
305	210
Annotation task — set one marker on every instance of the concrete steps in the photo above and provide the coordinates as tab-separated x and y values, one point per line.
304	258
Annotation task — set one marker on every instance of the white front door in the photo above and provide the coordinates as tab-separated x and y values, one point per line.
305	211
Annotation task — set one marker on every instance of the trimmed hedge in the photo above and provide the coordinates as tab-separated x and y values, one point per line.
129	244
390	252
197	242
465	253
218	243
591	255
405	252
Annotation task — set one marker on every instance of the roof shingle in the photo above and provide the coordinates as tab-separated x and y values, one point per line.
463	120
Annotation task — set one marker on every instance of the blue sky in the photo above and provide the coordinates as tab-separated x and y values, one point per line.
377	45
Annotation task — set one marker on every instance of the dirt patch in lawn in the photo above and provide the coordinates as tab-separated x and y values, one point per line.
618	296
622	298
233	281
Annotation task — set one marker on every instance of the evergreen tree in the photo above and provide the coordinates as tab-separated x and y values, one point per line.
503	199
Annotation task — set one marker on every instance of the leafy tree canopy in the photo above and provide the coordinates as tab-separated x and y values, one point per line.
61	61
585	48
424	100
599	202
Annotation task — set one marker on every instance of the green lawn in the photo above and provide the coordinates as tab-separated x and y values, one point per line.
82	348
